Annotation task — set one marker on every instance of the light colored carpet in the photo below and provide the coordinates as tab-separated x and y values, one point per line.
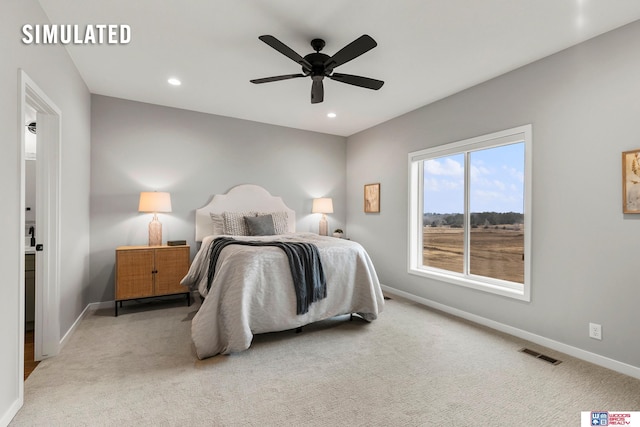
412	367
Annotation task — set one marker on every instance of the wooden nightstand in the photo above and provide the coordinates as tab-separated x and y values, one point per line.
150	271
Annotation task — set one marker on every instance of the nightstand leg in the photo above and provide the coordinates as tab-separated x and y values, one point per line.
116	304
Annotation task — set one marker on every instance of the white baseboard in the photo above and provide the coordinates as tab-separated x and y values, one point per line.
101	305
73	327
11	412
596	359
90	307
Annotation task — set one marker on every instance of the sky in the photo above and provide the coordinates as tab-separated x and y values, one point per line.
497	181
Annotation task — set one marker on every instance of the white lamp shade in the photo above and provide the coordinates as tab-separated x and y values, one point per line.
154	201
322	205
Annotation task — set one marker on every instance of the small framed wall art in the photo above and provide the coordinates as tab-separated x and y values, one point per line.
372	198
631	181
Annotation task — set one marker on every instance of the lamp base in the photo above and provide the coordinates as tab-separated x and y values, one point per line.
155	232
323	228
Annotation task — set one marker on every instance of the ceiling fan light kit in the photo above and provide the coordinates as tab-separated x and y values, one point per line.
319	65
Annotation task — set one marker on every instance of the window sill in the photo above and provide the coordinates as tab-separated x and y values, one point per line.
508	289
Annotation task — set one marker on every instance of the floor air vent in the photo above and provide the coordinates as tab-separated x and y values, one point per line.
540	356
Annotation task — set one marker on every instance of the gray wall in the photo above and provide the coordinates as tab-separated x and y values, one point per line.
142	147
53	71
584	104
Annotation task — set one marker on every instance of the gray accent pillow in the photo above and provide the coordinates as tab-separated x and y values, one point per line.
260	225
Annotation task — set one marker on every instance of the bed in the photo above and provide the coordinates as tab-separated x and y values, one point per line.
252	290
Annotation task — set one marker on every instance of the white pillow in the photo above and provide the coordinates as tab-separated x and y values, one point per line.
234	224
218	223
280	221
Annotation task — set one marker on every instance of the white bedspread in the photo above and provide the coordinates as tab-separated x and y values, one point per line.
253	292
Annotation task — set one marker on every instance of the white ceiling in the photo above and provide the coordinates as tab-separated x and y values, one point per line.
427	50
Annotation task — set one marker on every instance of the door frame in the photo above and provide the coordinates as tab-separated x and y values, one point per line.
48	170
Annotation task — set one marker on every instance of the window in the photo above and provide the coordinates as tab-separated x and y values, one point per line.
470	212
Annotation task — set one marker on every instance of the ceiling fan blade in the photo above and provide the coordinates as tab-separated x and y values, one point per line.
351	51
365	82
317	91
276	78
286	51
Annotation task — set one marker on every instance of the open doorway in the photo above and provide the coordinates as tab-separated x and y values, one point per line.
31	158
45	220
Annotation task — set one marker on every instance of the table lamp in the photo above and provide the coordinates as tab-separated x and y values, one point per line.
154	201
323	205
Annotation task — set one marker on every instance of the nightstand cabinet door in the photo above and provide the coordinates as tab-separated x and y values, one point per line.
134	273
172	264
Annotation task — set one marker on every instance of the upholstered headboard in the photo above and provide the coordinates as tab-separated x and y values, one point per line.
242	198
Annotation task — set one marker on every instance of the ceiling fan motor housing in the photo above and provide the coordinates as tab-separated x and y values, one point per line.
317	61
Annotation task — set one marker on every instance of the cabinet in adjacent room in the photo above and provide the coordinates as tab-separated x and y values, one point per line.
29	291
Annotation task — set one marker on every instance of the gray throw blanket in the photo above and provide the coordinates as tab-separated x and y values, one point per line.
304	261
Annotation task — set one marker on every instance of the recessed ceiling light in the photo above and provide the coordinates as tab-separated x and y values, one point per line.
331	115
175	82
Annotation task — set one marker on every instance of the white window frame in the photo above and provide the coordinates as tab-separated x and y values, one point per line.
520	291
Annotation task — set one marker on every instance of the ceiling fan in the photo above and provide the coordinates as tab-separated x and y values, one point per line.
319	65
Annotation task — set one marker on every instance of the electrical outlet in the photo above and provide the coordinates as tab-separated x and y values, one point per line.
595	331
